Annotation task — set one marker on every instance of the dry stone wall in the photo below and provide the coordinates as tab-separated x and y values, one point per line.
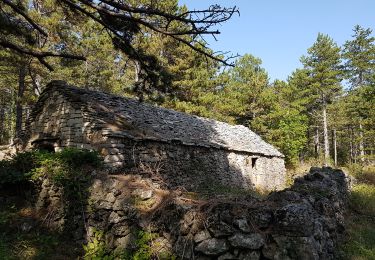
303	222
59	124
196	168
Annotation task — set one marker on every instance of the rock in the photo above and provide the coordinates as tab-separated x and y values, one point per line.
272	251
298	247
203	257
125	243
119	205
202	235
183	248
114	218
189	217
143	194
213	246
109	240
242	224
26	227
104	205
77	219
110	197
54	193
296	218
262	218
227	256
184	228
315	169
120	229
249	241
303	222
252	255
162	248
221	229
288	195
116	192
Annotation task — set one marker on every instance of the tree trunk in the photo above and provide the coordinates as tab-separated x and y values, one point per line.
20	92
2	125
325	134
137	71
351	146
335	146
10	118
35	80
361	145
316	142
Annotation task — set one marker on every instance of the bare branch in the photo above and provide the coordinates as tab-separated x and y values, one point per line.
124	22
27	18
173	34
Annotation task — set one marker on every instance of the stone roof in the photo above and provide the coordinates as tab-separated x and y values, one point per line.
124	117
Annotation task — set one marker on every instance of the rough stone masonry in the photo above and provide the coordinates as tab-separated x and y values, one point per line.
180	149
305	221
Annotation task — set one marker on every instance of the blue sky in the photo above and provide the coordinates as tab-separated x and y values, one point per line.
280	31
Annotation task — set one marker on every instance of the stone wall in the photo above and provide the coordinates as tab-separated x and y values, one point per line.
303	222
58	124
197	168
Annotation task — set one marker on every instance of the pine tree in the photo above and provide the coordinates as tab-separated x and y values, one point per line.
323	63
123	21
359	55
241	94
283	122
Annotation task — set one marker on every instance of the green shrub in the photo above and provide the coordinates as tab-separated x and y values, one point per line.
77	158
362	199
144	250
364	174
368	174
19	168
96	249
58	166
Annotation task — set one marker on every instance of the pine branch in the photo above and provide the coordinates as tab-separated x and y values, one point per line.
24	15
37	54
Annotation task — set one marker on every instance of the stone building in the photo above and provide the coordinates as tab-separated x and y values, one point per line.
177	148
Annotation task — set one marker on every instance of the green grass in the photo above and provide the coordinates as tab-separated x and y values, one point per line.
360	222
362	199
360	242
31	165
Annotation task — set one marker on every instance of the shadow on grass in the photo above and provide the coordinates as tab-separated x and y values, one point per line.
22	235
